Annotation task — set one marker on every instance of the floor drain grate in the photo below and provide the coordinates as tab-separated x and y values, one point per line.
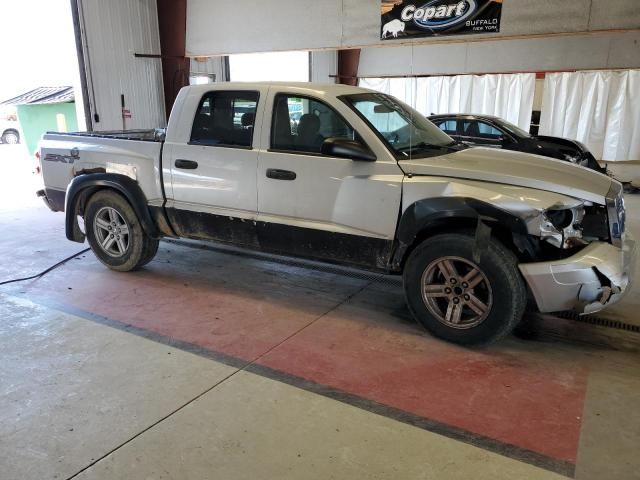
602	322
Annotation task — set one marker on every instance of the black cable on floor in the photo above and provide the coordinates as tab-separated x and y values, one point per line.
44	272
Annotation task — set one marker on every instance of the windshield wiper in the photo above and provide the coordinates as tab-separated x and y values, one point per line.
453	147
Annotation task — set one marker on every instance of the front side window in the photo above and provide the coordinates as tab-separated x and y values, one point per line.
477	129
225	119
405	131
513	129
302	124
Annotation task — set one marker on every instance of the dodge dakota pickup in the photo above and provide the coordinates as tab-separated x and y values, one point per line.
361	179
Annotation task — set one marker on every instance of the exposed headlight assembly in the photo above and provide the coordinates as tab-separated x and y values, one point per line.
561	227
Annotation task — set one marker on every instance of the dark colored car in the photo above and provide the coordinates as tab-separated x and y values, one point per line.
490	131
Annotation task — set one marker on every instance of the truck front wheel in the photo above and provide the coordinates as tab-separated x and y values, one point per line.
115	234
460	299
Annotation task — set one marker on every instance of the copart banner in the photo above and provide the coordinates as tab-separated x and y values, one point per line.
427	18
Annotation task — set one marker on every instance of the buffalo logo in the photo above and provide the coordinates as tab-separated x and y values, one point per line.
74	154
437	14
394	27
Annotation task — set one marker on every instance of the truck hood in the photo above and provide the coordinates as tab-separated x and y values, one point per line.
515	168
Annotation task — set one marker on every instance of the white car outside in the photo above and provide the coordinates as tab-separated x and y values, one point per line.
9	131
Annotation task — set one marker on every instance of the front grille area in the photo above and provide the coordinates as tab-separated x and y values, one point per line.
616	213
595	224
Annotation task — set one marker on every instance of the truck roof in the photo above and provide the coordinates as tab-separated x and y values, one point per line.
310	87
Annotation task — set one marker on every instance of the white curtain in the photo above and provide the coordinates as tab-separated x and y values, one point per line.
509	96
600	109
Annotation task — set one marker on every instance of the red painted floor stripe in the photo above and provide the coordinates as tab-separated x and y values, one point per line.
512	393
517	398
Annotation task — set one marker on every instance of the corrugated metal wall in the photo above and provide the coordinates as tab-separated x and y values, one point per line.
112	32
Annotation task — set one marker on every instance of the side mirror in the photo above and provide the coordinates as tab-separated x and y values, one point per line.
344	148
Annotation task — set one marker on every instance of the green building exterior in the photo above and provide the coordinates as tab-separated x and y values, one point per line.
43	110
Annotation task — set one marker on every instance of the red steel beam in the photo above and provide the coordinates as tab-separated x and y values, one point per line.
348	62
172	20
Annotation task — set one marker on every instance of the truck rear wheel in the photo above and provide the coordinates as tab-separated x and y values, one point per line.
115	234
461	300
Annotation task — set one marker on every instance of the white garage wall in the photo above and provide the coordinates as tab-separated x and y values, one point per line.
611	50
506	96
112	32
217	27
600	109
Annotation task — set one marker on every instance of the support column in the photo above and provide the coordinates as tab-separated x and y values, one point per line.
172	21
348	61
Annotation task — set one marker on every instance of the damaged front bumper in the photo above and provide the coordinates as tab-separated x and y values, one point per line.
596	277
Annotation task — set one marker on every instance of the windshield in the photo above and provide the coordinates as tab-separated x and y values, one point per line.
405	131
512	129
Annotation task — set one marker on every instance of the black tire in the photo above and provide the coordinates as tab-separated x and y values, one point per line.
501	286
10	137
151	252
139	247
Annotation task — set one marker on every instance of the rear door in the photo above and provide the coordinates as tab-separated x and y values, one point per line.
212	189
319	206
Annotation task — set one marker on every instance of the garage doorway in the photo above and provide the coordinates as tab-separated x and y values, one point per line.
509	96
598	108
39	90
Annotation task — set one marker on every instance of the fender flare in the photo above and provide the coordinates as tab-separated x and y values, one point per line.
82	185
428	213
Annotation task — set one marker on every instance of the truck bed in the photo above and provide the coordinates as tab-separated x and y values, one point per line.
133	153
154	135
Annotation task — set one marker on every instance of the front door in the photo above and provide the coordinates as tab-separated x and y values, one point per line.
319	206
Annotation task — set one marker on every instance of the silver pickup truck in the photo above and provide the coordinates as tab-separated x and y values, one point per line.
360	179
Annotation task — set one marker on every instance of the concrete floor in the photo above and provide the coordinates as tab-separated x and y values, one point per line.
214	363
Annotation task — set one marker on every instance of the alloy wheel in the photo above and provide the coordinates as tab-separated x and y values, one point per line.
456	292
111	231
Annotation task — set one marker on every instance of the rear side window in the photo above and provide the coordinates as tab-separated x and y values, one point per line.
302	124
225	119
448	126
